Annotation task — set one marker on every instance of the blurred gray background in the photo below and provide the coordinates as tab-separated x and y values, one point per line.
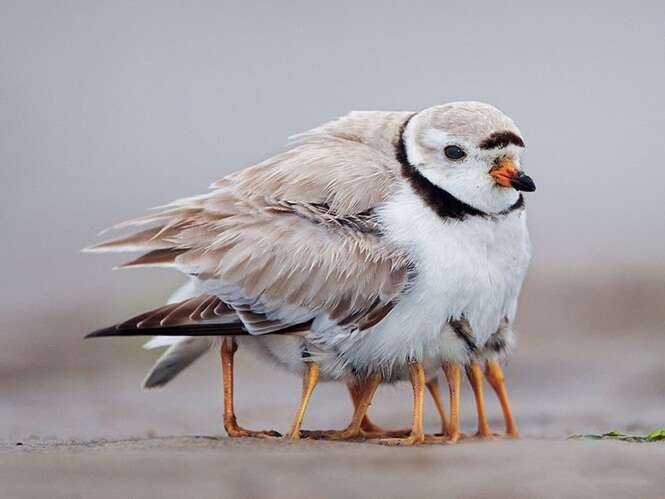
108	108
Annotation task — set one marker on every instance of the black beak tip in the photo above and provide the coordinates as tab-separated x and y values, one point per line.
524	183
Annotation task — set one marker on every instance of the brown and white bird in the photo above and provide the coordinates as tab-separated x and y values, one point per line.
392	243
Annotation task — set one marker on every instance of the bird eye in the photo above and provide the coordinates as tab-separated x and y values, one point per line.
454	152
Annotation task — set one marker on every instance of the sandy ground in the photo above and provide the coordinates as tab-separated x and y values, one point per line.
75	423
210	467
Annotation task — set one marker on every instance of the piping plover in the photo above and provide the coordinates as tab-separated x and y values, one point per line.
390	241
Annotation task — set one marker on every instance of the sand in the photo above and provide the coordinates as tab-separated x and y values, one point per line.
221	467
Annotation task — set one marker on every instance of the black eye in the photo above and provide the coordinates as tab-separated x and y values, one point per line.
454	152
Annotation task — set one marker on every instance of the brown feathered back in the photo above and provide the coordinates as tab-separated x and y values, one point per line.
293	236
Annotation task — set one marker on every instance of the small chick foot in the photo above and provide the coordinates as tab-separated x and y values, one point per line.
353	434
372	430
347	434
295	435
447	438
484	435
311	434
413	439
242	432
454	437
369	427
235	431
389	434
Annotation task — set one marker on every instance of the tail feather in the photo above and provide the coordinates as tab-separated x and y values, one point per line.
188	330
178	357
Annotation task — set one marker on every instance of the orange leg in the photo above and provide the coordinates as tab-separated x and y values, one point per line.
496	380
453	376
366	425
475	374
433	387
229	347
309	381
364	393
417	436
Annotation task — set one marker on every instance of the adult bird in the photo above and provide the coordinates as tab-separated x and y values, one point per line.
392	243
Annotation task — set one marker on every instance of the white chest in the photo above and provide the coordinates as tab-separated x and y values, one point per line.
472	268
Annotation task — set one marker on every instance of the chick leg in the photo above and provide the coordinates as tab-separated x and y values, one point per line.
417	436
433	387
364	393
453	376
475	374
495	378
366	425
309	381
229	347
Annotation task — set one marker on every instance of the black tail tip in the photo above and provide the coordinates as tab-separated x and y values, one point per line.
101	333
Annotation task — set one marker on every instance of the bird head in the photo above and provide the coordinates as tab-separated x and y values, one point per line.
470	149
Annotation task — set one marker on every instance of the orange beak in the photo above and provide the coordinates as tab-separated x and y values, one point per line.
507	174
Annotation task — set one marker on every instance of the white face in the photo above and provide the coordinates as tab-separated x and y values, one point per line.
436	155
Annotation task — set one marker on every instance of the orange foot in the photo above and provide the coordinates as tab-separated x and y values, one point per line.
448	438
235	431
410	440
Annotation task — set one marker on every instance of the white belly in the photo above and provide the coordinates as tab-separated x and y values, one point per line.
472	268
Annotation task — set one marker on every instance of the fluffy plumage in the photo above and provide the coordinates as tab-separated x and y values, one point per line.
331	234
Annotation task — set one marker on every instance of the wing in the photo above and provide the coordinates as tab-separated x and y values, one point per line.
291	240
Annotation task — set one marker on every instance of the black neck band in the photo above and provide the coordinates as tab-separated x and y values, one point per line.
439	200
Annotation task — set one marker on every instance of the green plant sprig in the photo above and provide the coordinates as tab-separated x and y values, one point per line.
617	435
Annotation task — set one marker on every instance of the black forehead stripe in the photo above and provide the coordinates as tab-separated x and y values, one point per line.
499	140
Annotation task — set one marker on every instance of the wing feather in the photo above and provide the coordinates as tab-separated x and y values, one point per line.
292	238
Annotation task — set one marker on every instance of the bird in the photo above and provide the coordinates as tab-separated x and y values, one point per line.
395	243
